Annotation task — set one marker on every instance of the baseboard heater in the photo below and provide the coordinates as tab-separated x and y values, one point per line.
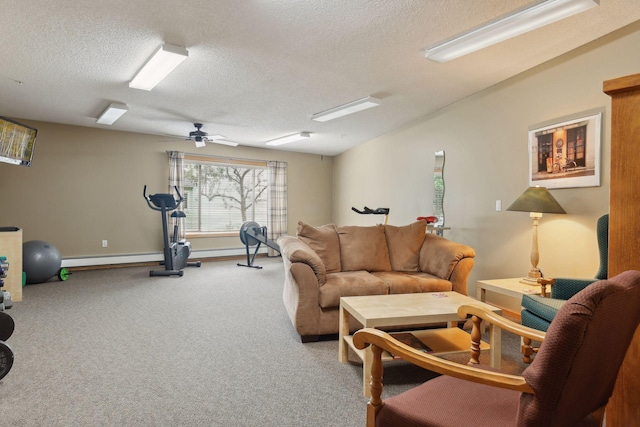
148	257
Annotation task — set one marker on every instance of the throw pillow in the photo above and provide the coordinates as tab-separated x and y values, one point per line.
324	241
404	245
363	248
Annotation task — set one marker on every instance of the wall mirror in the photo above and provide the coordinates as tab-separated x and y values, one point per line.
438	194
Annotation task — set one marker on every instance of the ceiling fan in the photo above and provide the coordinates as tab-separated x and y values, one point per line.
201	137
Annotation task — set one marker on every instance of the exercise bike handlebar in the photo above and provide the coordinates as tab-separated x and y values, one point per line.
176	202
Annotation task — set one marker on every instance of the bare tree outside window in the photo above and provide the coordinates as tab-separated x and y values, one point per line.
220	198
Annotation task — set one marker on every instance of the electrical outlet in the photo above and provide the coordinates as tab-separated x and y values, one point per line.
105	243
498	205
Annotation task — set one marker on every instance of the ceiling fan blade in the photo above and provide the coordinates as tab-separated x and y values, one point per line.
223	142
200	138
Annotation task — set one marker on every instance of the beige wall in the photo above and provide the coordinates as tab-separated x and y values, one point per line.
485	140
86	184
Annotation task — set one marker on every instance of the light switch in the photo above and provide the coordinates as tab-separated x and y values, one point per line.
498	205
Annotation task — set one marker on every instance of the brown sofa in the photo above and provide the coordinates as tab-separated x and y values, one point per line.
325	263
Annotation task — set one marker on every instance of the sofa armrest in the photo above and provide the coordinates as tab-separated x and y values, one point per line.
447	260
302	268
295	250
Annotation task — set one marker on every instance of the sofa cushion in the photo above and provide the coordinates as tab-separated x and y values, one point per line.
350	284
324	241
407	282
547	308
363	248
404	245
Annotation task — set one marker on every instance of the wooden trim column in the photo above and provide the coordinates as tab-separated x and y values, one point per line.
11	247
624	229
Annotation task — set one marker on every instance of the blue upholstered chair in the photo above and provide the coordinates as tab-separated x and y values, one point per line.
538	311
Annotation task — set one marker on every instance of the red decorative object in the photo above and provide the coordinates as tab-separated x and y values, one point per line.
429	219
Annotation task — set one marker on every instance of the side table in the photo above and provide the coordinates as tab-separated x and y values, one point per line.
509	287
513	288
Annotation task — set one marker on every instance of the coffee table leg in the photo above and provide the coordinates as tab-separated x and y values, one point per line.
366	371
343	331
495	341
481	294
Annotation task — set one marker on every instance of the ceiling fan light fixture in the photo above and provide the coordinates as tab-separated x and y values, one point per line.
520	22
289	138
113	112
346	109
163	61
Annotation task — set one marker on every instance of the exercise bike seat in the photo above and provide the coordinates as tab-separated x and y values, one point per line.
366	210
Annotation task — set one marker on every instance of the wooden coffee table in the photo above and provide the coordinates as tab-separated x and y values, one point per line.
386	311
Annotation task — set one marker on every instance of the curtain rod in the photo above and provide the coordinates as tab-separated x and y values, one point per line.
231	159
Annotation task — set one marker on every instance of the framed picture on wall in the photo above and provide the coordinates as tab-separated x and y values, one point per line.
565	152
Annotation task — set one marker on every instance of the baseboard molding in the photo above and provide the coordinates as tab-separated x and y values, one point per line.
152	257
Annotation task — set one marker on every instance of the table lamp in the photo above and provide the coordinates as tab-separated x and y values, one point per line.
536	201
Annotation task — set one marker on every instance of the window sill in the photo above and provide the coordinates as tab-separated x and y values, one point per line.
205	235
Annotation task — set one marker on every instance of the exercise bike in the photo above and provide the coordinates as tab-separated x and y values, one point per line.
176	253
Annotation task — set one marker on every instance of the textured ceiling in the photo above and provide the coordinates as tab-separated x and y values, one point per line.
258	69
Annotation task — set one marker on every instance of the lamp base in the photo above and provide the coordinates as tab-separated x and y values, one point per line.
532	277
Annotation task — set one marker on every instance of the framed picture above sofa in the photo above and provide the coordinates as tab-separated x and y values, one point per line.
565	152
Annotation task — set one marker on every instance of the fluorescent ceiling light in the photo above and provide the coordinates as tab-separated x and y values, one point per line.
162	62
112	113
290	138
346	109
524	20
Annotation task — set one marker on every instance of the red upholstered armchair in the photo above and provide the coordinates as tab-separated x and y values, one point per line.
567	384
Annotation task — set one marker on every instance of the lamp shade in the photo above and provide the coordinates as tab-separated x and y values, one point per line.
536	199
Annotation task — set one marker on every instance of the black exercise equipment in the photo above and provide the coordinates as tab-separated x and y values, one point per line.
252	234
378	211
6	354
176	252
6	323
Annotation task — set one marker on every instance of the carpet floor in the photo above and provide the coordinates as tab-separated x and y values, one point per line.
212	348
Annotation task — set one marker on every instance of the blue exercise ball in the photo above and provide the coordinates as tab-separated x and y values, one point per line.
40	261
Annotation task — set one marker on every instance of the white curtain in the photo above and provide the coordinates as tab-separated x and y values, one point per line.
176	179
277	202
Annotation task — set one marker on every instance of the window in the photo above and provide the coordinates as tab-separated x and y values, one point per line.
222	194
